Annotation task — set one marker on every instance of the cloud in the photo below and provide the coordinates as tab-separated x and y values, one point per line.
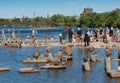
72	3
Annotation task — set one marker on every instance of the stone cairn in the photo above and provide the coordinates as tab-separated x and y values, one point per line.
68	50
112	73
28	58
35	42
58	62
60	59
36	54
108	60
34	69
48	55
86	65
19	39
13	42
13	35
93	56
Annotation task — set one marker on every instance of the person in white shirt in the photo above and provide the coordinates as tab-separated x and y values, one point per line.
33	33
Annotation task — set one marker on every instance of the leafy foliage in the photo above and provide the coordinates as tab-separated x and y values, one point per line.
107	19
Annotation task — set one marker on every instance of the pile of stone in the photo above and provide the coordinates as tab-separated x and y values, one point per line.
13	42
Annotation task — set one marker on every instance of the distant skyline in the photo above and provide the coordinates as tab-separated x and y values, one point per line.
18	8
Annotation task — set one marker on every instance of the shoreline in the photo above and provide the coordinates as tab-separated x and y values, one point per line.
99	44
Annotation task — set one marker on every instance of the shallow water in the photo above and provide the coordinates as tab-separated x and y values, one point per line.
13	58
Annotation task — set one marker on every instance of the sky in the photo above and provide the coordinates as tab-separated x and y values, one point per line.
18	8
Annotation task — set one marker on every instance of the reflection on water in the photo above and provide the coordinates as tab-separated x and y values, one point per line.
69	64
86	52
28	65
13	58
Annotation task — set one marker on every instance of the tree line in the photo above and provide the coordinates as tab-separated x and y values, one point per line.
107	19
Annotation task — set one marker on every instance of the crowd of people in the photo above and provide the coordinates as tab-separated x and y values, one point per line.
84	37
98	34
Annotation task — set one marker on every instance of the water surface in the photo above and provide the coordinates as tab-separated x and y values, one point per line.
13	57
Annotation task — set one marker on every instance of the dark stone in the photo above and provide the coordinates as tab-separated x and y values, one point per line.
91	48
108	52
36	54
85	59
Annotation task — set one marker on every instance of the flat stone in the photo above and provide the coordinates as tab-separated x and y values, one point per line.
28	70
114	73
4	69
53	67
69	57
34	61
